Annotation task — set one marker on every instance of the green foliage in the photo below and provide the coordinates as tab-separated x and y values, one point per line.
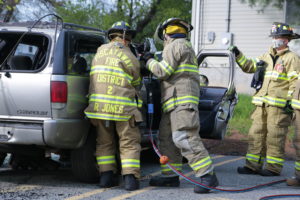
81	12
168	9
143	15
241	121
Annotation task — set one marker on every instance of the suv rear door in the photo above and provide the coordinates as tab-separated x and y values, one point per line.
24	80
217	94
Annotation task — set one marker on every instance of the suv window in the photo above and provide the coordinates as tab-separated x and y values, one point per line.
82	49
29	55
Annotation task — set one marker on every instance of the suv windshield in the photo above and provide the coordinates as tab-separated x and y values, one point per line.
30	54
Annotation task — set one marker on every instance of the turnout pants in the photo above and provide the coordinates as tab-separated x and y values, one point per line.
297	143
129	142
179	136
267	138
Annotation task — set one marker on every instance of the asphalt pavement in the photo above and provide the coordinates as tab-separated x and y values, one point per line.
61	184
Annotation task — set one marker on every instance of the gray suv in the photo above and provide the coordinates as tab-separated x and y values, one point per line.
44	79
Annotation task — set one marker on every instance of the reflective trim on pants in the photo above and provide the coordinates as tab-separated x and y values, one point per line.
273	160
177	166
130	163
202	163
104	160
297	166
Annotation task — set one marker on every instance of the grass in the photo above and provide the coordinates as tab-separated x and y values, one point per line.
241	121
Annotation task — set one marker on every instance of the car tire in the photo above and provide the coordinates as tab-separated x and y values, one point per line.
83	160
2	158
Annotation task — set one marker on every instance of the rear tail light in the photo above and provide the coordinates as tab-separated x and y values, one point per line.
59	92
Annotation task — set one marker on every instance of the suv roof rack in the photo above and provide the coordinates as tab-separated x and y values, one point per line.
49	25
72	26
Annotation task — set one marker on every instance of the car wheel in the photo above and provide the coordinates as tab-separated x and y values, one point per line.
2	158
83	160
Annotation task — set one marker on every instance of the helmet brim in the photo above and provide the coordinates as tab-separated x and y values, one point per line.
290	36
132	33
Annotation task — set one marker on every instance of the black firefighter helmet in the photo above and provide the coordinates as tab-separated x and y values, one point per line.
121	28
284	30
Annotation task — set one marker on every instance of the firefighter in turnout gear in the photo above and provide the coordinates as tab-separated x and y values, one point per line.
179	126
113	107
272	115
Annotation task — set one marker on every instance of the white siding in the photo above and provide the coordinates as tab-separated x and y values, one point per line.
249	27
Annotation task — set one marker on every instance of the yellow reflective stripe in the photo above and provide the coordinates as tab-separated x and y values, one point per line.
254	61
179	100
103	160
262	159
242	60
110	70
136	82
130	163
104	157
164	67
202	163
187	68
151	64
177	166
114	100
297	165
257	100
269	100
295	103
292	75
169	169
167	66
173	164
252	157
275	160
107	116
275	101
277	75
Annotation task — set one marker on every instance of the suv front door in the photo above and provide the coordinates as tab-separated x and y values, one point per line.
217	94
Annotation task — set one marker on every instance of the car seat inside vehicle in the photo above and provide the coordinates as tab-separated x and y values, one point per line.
79	65
21	63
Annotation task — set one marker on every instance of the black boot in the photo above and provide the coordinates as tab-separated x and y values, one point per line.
108	179
209	180
165	181
131	183
266	172
246	170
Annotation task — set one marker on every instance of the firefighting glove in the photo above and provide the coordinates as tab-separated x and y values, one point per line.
234	50
260	63
288	107
147	56
258	77
144	70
